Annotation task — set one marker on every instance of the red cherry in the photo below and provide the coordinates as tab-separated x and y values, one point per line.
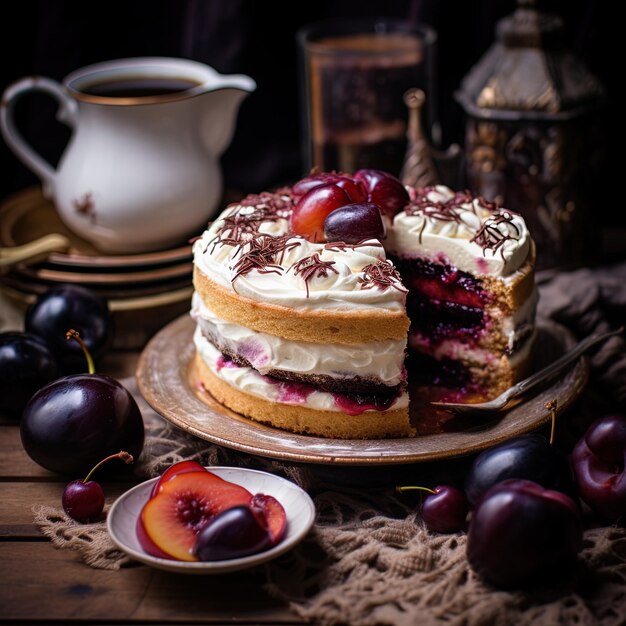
384	190
444	509
83	500
311	210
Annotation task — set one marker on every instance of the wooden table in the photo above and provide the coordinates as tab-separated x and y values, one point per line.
39	583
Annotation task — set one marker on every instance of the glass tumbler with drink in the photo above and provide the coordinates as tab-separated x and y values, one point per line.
353	77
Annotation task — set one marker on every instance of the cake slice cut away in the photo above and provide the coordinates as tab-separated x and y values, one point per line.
469	268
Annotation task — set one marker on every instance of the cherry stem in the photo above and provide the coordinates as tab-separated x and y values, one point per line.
74	334
127	457
551	406
404	488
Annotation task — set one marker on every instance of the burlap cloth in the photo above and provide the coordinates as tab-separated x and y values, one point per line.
369	560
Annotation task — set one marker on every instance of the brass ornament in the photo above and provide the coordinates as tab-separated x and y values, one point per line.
533	139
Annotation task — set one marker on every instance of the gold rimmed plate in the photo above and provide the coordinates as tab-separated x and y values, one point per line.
162	376
25	289
142	277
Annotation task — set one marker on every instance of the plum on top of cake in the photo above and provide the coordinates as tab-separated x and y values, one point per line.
301	302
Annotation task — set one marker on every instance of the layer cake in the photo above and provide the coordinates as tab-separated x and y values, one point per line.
311	336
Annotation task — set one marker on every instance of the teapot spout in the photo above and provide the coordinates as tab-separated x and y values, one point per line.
220	105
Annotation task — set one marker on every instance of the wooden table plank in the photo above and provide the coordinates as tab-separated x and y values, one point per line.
33	571
18	498
14	462
16	465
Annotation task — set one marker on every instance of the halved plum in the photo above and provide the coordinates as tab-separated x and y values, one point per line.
307	218
274	514
147	544
183	506
182	467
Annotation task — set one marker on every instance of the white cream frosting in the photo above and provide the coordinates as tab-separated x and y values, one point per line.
383	360
341	287
450	241
251	382
514	326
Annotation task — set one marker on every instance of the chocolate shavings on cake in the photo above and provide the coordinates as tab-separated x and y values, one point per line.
341	246
312	266
490	237
449	210
381	275
279	203
242	223
239	226
264	253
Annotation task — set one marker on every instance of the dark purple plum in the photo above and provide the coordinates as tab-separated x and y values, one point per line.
26	365
599	463
71	306
353	223
73	422
233	533
384	190
521	534
529	457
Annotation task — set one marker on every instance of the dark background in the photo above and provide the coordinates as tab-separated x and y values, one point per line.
258	39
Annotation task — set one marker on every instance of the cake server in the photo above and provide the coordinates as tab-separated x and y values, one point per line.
556	367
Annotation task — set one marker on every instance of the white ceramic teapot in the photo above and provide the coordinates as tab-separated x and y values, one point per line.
141	170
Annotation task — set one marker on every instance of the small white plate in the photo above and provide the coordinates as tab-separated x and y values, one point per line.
299	507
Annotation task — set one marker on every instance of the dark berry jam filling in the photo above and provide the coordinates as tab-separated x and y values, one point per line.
356	403
426	370
445	320
223	361
291	392
442	282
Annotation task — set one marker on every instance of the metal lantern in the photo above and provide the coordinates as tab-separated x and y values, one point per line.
533	133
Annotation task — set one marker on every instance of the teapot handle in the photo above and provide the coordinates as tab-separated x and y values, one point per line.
67	113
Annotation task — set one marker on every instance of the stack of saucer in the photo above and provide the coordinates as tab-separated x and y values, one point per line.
144	291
